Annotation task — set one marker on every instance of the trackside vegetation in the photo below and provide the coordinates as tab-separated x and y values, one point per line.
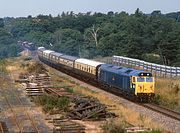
152	37
50	103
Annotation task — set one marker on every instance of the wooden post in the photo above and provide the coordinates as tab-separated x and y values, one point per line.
165	71
176	71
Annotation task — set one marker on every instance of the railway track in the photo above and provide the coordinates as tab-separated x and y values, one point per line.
21	119
3	127
162	110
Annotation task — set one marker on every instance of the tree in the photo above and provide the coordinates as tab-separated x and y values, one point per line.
1	23
68	41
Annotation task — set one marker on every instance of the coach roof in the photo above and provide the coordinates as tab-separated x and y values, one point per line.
68	57
89	62
56	54
48	51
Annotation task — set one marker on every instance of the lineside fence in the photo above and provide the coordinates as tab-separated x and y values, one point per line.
156	69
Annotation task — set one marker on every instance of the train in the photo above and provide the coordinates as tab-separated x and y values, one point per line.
136	85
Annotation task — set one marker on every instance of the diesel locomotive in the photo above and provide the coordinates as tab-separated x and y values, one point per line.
134	84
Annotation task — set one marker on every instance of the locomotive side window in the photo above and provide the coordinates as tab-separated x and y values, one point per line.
134	79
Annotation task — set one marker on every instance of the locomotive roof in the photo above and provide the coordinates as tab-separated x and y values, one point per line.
123	70
56	54
89	62
68	57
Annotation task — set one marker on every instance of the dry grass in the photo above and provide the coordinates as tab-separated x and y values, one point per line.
21	66
168	92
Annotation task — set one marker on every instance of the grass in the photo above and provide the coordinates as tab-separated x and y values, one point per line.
168	93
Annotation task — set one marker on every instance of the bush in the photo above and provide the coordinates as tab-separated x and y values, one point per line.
157	99
63	103
50	102
47	108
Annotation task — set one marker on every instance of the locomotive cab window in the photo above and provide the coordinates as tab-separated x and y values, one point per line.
140	79
149	79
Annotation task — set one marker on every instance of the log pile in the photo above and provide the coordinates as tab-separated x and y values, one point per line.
43	80
89	108
32	89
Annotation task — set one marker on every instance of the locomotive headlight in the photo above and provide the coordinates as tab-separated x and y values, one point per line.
133	86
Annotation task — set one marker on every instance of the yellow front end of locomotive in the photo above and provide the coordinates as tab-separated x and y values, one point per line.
144	85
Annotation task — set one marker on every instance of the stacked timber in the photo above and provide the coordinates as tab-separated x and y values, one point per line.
67	126
37	84
43	80
89	108
137	129
32	89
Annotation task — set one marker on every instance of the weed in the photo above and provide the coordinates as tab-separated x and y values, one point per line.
63	103
154	131
176	89
70	90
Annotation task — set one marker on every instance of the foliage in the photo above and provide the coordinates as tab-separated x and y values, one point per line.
96	34
50	102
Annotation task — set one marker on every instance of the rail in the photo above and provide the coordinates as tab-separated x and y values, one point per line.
164	111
